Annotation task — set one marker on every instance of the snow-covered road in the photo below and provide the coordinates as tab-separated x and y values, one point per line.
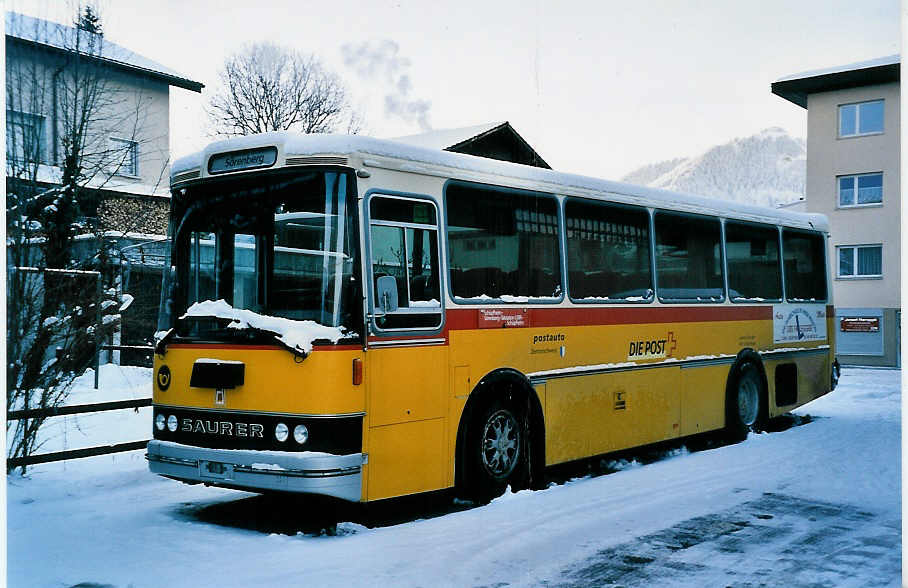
817	504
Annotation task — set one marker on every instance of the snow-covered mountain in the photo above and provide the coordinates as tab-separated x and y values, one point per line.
768	169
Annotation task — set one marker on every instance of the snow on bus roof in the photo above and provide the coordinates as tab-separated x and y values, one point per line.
416	158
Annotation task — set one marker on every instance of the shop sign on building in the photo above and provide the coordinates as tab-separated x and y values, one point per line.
859	324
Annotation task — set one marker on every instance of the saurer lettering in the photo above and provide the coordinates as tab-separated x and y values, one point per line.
226	428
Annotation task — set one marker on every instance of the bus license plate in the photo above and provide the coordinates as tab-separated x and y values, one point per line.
214	469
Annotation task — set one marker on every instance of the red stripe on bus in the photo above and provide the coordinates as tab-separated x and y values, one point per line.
466	319
380	338
218	346
337	348
259	347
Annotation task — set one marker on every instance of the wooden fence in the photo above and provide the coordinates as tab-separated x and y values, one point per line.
15	415
31	413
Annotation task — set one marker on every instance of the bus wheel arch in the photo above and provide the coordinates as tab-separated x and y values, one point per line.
498	394
746	396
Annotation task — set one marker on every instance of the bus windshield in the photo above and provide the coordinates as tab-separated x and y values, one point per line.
280	245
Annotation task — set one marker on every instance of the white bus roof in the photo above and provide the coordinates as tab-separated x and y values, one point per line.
382	153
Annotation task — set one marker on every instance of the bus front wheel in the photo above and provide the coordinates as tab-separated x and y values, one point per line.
745	402
496	452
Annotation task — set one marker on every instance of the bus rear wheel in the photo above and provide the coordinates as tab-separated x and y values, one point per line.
496	451
744	402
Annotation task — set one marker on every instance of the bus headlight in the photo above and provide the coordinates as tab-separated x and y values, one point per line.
300	434
172	423
281	432
159	422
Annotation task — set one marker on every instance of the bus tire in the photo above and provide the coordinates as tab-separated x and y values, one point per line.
745	401
495	452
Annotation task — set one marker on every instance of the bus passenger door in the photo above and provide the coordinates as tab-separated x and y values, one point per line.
407	358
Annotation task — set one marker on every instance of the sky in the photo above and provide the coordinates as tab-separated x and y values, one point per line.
597	88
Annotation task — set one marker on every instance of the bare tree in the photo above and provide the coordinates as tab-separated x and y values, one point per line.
270	88
61	112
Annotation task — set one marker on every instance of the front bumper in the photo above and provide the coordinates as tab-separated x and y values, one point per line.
307	472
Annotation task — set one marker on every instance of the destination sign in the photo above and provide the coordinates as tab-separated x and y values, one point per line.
505	317
239	160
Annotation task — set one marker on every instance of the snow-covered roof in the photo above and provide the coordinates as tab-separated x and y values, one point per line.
396	155
496	140
444	138
796	87
887	60
62	37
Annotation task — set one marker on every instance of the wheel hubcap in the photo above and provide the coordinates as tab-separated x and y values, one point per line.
500	444
748	401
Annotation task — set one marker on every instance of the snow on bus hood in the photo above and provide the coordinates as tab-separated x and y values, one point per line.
297	335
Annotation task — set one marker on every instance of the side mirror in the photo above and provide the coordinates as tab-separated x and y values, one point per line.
386	293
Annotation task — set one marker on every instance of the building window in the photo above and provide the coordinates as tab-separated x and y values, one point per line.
863	118
25	137
125	157
860	261
860	190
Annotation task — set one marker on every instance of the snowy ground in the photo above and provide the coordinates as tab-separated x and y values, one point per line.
814	505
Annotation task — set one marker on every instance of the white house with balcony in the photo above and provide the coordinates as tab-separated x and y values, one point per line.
126	193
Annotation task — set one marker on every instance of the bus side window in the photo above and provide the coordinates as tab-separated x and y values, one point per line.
404	245
608	252
688	258
754	266
805	266
502	244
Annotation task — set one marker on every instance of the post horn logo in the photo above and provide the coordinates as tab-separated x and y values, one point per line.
163	377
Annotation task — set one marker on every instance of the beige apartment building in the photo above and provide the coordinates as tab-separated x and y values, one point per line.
853	178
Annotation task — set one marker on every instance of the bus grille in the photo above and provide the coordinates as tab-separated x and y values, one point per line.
339	435
316	161
185	176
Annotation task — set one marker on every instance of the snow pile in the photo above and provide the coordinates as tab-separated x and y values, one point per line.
117	382
297	335
766	169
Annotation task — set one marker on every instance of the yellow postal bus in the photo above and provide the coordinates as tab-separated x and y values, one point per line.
364	319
